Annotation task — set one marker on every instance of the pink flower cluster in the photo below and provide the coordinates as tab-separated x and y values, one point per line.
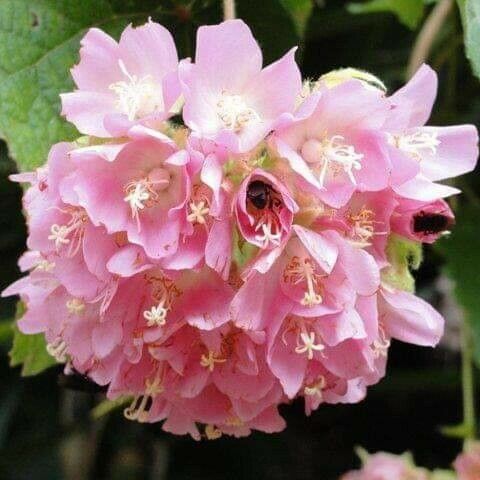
215	269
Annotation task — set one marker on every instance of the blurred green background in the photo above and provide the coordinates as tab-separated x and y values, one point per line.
47	432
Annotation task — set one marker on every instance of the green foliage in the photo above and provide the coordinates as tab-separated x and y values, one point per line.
300	11
470	12
39	43
463	260
403	256
409	12
107	406
30	352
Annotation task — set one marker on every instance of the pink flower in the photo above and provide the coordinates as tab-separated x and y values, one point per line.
228	97
422	221
408	318
217	271
264	209
428	154
467	464
121	84
386	466
334	146
143	191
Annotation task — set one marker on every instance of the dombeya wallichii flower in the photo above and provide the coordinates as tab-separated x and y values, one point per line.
258	253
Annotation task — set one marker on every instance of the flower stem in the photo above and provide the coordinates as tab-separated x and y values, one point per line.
228	9
428	35
468	382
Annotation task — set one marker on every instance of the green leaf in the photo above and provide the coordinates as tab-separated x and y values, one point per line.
443	475
39	43
30	351
409	12
300	11
455	431
107	406
6	332
463	259
470	13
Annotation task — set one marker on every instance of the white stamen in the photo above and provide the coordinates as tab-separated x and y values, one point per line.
381	344
45	266
268	236
58	350
299	270
212	433
70	234
137	97
75	306
59	233
334	156
138	194
309	345
363	227
156	316
141	404
316	388
198	212
210	360
417	143
143	193
234	112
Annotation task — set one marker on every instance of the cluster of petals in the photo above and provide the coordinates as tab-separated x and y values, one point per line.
215	267
387	466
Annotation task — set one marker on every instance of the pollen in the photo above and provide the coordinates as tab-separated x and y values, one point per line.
315	389
71	233
209	361
198	212
75	306
417	143
136	97
58	350
308	345
234	113
301	270
333	157
212	432
144	193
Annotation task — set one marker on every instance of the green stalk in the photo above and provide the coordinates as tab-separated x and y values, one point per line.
468	385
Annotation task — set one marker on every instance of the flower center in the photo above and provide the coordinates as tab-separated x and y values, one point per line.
209	360
234	113
363	227
136	97
75	306
143	193
45	266
306	344
315	389
417	143
268	230
334	157
212	432
381	344
141	404
163	292
71	233
303	270
58	350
